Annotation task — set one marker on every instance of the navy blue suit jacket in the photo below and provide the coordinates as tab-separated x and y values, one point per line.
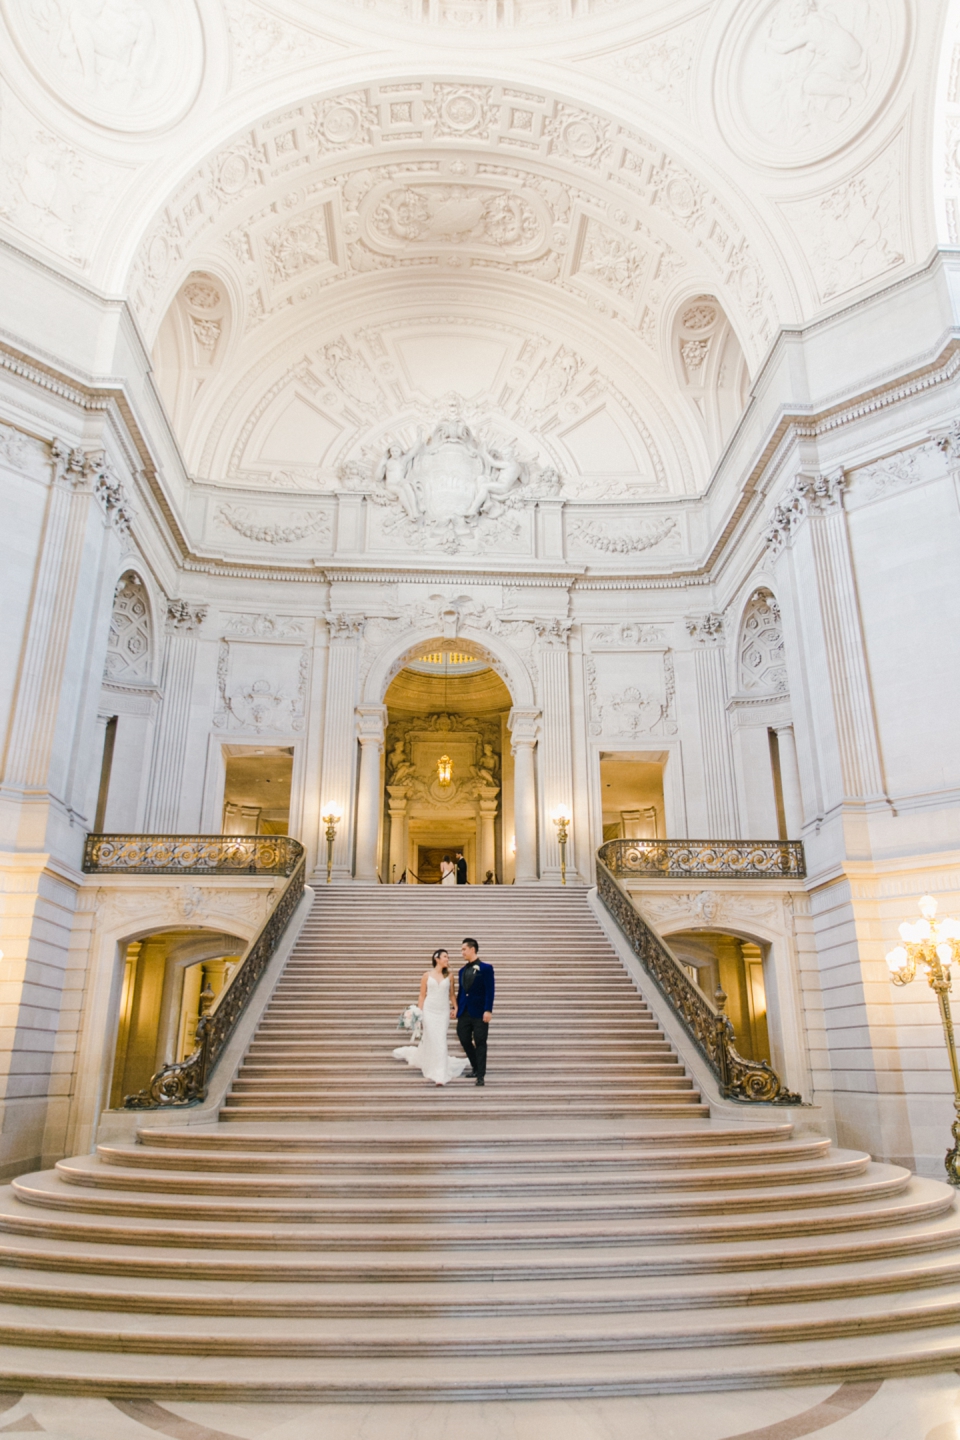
480	998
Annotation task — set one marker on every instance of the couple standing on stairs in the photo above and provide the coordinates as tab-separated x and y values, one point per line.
472	1010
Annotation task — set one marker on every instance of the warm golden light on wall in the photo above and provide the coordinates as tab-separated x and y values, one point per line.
444	769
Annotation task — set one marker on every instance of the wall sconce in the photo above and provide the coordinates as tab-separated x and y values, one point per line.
561	818
931	946
331	820
444	770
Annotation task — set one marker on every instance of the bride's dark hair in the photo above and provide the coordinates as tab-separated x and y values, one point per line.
435	957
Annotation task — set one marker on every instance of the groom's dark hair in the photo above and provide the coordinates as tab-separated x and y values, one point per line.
467	941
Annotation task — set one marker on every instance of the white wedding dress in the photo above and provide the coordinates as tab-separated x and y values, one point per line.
430	1055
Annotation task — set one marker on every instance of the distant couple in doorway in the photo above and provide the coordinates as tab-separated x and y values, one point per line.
453	872
471	1007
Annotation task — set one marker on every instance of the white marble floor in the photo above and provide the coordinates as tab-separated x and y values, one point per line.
926	1408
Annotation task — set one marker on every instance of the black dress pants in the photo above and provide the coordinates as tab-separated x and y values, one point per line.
472	1034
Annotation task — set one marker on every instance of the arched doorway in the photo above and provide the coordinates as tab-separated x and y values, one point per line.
449	772
170	978
719	958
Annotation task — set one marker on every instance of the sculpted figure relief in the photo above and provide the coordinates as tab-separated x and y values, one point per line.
452	478
127	63
812	67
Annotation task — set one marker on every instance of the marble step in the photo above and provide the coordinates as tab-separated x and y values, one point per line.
409	1107
918	1226
472	1298
59	1190
466	1337
289	1379
512	1138
384	1084
398	1164
629	1182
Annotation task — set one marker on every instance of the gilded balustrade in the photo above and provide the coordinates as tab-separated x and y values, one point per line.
708	1027
191	855
706	859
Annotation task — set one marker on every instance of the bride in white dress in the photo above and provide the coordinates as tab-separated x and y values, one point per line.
436	1002
448	873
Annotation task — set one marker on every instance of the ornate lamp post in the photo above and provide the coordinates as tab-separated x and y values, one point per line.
932	946
331	820
561	818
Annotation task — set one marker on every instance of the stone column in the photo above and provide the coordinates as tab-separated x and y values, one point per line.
176	685
790	781
524	727
723	821
340	743
556	767
371	724
398	832
487	859
40	691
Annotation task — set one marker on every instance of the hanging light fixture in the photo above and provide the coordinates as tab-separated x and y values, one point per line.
444	770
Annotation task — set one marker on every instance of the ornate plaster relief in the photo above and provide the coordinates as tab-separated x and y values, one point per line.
126	64
799	79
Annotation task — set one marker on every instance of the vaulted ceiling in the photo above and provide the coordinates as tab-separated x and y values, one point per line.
585	218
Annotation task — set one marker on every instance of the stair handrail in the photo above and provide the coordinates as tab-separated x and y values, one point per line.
184	1082
706	859
710	1029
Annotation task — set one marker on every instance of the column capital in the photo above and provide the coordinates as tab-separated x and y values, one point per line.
553	634
706	629
524	727
345	628
807	495
371	724
184	617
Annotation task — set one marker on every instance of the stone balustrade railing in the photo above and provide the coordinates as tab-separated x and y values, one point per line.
709	1028
191	855
709	859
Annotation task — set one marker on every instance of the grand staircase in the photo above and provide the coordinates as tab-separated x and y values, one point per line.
580	1226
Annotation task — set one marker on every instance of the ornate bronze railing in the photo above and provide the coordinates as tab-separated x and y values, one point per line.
711	859
708	1027
191	855
185	1083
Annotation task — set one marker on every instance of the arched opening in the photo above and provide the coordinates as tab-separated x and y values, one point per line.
717	959
128	706
448	781
170	978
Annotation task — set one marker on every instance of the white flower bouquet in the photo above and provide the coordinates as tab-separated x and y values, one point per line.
412	1021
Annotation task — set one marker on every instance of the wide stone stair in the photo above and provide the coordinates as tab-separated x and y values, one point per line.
580	1226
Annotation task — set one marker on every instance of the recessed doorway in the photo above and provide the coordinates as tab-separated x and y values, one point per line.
429	857
631	795
256	791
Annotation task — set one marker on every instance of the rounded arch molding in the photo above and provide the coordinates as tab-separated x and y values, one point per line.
653	193
503	657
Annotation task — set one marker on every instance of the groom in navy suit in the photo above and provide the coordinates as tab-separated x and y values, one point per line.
474	1008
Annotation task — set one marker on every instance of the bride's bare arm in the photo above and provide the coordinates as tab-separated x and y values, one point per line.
423	988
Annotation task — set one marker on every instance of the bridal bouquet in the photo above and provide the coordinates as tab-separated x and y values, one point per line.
412	1020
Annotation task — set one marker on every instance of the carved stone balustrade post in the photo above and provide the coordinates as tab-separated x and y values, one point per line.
371	726
524	728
